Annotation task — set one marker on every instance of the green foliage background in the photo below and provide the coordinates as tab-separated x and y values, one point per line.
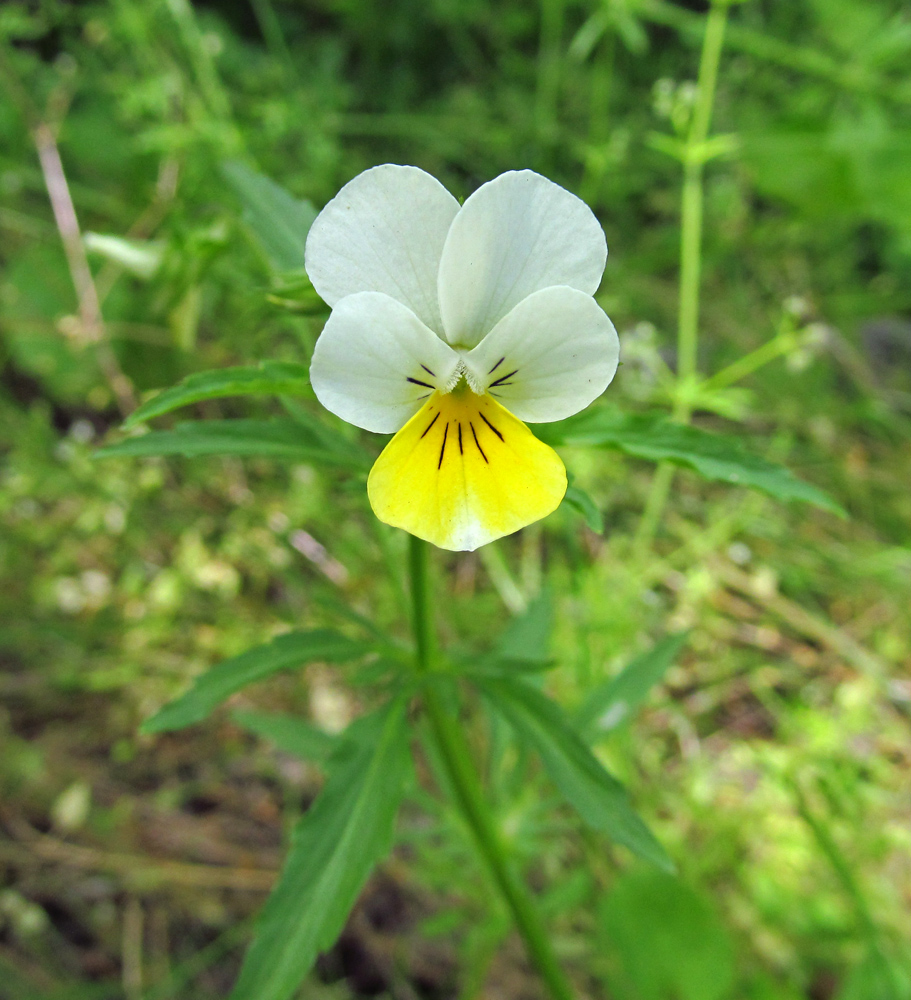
773	760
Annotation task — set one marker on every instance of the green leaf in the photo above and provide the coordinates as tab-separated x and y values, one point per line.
287	439
615	701
271	378
283	653
527	636
877	977
585	783
713	456
278	221
333	850
289	733
671	943
523	646
579	501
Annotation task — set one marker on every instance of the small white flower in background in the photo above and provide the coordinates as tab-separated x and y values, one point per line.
451	325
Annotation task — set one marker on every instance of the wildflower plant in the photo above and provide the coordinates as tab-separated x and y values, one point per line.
452	328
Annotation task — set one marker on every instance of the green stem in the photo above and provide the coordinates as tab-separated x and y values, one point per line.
654	507
548	83
690	262
692	206
456	757
780	344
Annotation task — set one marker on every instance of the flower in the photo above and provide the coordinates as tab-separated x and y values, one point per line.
451	325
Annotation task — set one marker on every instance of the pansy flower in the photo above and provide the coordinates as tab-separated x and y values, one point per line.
451	325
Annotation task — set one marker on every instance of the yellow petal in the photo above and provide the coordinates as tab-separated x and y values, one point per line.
464	471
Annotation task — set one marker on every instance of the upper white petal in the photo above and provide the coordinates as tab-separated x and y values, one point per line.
371	358
549	357
515	235
383	232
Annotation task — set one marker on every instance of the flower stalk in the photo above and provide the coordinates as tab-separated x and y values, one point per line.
456	757
691	215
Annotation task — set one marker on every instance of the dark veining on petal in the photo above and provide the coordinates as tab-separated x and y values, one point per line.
478	443
443	449
490	425
432	422
416	381
500	380
496	366
460	440
429	372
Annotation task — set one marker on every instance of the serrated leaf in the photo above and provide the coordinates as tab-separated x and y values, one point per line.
279	221
221	681
289	733
713	456
333	850
579	501
582	779
271	378
280	438
612	703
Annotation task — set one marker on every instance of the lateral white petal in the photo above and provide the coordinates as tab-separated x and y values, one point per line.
549	357
375	362
383	232
515	235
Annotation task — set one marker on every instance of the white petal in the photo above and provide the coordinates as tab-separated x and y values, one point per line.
549	357
514	236
375	362
383	232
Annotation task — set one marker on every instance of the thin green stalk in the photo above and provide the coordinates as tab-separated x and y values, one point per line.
456	757
690	262
548	84
692	206
654	507
271	28
780	344
839	865
801	58
421	616
503	583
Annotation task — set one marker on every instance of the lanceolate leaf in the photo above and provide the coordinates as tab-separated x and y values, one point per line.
527	637
289	733
271	378
713	456
278	220
585	783
283	653
280	438
614	702
333	850
522	647
579	501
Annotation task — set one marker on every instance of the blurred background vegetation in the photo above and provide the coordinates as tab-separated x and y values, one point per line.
773	761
